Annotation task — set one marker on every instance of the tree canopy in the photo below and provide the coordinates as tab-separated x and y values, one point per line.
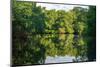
38	32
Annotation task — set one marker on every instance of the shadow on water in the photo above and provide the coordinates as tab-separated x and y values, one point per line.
64	47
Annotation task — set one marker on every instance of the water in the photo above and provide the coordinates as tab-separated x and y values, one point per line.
56	48
64	47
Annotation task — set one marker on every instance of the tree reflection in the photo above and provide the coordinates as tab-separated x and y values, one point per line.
38	33
39	46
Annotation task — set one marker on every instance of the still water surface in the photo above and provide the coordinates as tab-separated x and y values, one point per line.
54	48
59	48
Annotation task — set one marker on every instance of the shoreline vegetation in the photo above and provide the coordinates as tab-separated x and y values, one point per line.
64	32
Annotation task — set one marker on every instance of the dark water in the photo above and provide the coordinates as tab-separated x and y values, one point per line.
55	48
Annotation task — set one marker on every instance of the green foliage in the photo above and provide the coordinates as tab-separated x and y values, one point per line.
80	27
66	28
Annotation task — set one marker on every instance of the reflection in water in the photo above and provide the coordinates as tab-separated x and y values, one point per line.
59	59
53	48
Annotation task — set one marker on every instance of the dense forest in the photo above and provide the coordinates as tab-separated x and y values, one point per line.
38	32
